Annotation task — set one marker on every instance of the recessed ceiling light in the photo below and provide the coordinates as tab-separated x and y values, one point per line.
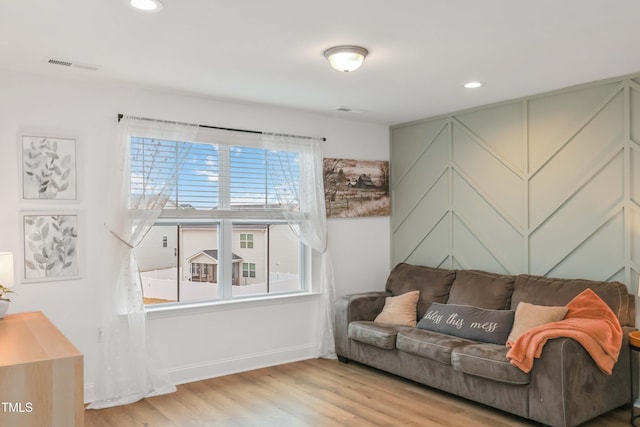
146	5
472	85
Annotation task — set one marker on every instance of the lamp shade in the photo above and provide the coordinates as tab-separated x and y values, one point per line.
6	269
346	58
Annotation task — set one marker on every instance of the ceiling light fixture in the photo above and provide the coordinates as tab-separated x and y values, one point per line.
346	58
472	85
146	5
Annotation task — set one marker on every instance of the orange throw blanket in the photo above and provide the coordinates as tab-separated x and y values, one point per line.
589	321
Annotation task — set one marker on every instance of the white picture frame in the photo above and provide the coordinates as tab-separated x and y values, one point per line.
49	167
50	246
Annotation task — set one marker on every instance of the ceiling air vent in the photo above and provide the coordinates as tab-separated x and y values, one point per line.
349	110
73	64
59	62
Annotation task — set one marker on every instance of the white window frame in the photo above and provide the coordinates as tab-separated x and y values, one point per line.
225	222
226	300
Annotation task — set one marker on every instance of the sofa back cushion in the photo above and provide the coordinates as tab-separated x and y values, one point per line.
553	292
482	289
433	284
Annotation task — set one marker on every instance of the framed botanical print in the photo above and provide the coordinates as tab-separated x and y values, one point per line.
50	242
49	167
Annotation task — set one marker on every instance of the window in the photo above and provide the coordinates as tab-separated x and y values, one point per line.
222	233
246	241
248	269
202	272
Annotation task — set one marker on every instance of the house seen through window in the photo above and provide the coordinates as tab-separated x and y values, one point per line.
221	234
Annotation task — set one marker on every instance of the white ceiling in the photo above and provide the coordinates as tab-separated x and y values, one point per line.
421	51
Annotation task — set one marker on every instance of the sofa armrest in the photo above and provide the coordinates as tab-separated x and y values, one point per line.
363	306
567	387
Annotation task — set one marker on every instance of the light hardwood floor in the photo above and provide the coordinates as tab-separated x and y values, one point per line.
315	393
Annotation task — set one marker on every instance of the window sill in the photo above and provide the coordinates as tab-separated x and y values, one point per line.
198	307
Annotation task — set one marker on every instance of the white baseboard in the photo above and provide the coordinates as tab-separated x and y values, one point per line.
218	368
89	393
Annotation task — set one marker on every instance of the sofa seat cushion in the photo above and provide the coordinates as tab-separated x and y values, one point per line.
429	344
487	361
380	335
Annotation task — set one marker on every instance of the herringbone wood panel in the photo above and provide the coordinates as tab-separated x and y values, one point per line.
313	393
545	185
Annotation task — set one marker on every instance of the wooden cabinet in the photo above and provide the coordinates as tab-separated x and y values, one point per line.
41	374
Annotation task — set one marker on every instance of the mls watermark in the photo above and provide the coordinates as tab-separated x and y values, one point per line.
16	407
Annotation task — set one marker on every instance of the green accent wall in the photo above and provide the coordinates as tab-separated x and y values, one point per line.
546	185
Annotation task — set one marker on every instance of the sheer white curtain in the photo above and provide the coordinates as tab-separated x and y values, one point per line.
305	212
127	369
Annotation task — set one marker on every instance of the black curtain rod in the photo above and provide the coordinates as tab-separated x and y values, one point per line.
257	132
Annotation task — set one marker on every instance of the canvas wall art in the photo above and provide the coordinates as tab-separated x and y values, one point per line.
50	246
356	188
48	168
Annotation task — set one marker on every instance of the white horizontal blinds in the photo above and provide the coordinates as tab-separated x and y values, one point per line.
284	178
198	181
251	178
247	172
153	164
217	180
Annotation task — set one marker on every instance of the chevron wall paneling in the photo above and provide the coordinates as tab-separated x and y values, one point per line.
546	185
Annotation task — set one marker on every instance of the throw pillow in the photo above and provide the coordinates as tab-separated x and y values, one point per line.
466	321
399	310
433	283
529	316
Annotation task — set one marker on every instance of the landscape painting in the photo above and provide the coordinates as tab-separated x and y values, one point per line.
356	188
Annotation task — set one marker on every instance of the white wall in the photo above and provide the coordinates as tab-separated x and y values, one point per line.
193	346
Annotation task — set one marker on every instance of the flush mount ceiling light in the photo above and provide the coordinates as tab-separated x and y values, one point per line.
146	5
472	85
346	58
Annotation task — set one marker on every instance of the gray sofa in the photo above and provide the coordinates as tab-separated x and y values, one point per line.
564	388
